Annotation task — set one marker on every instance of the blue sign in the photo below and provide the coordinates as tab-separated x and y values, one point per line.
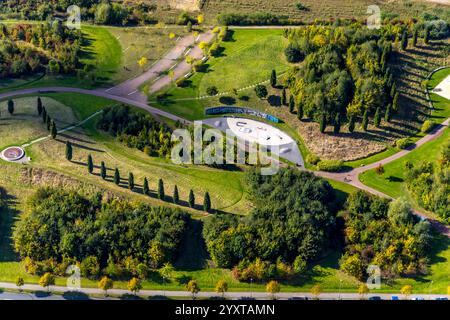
232	109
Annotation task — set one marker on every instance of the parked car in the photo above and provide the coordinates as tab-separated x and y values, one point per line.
395	298
442	298
298	298
418	298
375	298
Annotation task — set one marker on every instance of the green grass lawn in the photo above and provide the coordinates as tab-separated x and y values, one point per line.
391	182
138	42
246	60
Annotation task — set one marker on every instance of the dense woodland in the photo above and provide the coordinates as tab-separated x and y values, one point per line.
290	227
429	183
98	11
137	130
345	75
113	237
33	48
386	234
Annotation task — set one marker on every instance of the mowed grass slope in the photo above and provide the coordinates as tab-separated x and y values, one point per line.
246	60
226	188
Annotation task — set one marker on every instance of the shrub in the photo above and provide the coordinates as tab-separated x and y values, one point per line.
293	54
199	66
427	126
404	143
312	159
330	165
182	82
212	91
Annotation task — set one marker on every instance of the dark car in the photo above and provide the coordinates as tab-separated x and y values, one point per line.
375	298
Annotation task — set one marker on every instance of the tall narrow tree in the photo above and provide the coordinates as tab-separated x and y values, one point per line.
284	97
145	188
337	124
351	123
176	197
103	170
273	79
48	122
117	177
191	199
365	122
39	105
395	102
53	129
69	150
300	110
44	115
404	42
161	189
90	164
377	118
387	114
11	107
393	90
131	181
415	36
323	123
207	202
426	38
291	104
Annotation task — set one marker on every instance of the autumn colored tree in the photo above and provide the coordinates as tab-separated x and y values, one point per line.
105	284
221	287
193	288
273	287
134	285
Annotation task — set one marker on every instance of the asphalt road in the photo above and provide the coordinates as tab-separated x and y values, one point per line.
65	293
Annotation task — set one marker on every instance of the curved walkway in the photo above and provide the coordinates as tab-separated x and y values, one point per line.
98	93
351	177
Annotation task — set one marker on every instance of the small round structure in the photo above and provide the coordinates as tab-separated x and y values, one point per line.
13	154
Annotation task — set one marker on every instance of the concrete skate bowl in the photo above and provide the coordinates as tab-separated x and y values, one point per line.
12	154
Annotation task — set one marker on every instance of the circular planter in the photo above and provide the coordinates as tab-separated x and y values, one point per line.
13	153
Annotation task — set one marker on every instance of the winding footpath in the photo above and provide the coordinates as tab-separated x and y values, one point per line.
352	177
128	93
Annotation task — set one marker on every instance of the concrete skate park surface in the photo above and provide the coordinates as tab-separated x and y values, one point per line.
443	88
266	135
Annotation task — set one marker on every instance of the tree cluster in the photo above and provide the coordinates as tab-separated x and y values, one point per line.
290	226
386	234
137	130
429	183
32	48
113	237
345	74
98	11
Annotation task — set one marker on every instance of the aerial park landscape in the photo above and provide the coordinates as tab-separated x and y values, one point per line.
351	105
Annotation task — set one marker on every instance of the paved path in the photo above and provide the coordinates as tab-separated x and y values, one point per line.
170	61
352	177
204	294
98	93
183	68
